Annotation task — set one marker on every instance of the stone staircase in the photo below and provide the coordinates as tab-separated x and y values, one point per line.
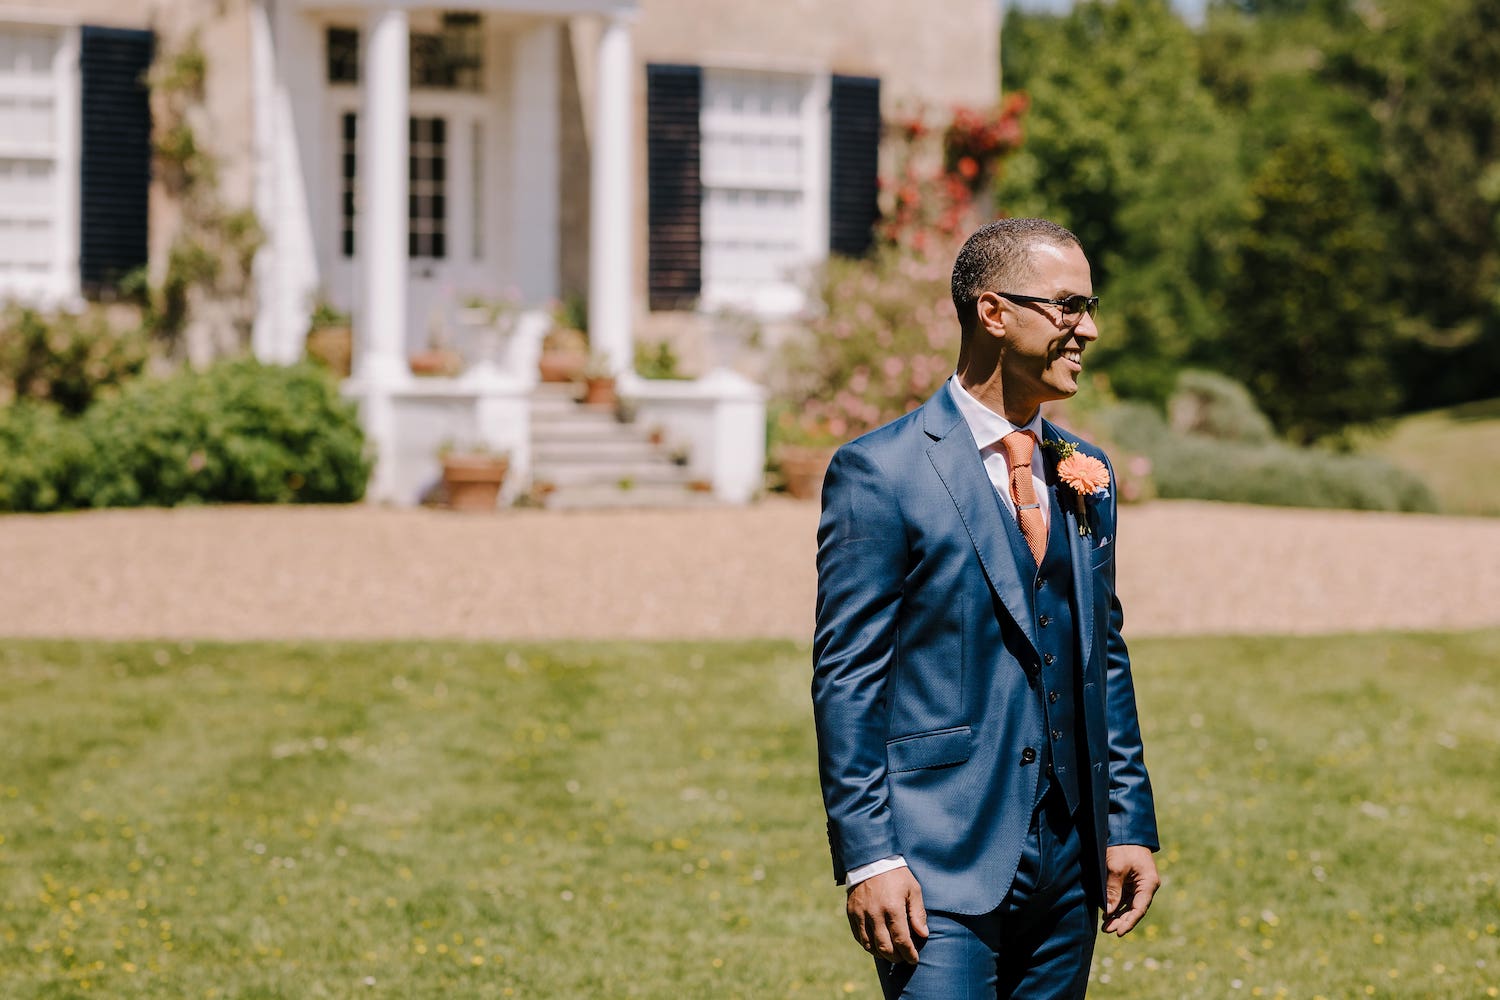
590	459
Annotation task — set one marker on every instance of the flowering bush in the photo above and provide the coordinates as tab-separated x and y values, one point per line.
886	335
64	359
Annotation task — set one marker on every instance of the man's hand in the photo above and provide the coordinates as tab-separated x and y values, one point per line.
1131	884
887	916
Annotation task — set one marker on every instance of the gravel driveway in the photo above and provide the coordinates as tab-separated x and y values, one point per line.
366	572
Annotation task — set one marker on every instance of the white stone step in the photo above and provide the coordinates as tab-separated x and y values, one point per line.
594	497
589	451
637	473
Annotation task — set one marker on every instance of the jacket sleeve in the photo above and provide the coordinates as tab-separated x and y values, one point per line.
862	557
1132	810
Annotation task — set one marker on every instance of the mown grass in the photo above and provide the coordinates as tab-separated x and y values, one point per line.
1456	452
609	820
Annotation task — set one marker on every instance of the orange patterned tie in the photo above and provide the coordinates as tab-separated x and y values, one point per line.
1019	446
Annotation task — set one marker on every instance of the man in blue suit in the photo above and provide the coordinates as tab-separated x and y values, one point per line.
978	745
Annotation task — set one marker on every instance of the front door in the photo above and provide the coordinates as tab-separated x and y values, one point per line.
449	170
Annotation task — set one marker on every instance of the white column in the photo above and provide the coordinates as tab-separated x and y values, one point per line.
610	199
382	215
535	161
380	320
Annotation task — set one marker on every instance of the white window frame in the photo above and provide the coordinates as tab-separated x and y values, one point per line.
789	294
59	284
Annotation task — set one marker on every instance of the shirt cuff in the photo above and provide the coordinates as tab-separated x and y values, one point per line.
857	875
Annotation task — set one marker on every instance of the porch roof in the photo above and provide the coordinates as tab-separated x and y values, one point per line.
556	8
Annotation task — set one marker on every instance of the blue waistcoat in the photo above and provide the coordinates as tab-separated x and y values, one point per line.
1052	610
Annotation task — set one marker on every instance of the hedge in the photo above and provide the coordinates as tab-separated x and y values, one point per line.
239	432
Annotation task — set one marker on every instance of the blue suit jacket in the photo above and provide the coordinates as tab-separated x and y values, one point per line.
924	637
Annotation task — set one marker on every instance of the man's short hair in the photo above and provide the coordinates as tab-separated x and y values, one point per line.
997	257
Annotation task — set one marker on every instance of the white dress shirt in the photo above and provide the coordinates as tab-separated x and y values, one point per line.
988	427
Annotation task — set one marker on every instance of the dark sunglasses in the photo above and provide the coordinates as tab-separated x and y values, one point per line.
1070	306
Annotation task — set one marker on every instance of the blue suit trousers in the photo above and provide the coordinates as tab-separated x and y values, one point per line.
1036	945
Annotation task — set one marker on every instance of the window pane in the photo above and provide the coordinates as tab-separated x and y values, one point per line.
755	198
347	201
343	55
427	205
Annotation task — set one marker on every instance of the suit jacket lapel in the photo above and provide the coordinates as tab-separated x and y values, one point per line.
1079	549
957	462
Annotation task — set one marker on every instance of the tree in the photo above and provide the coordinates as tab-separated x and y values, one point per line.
1126	147
1443	161
1310	333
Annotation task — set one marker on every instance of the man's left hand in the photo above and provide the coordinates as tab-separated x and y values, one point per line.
1132	882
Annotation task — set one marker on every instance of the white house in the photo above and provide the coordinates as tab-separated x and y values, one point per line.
664	159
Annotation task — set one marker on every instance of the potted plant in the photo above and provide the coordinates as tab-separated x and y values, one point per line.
565	349
330	339
472	477
599	382
803	450
439	358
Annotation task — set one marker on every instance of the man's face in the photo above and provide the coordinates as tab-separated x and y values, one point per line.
1043	353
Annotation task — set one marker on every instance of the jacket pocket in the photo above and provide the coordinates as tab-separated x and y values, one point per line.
944	746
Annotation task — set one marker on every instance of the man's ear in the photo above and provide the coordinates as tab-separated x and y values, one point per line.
989	315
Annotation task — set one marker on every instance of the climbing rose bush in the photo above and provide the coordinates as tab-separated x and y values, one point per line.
885	334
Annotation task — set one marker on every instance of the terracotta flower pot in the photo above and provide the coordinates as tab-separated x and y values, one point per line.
561	366
600	391
473	482
333	346
436	361
803	468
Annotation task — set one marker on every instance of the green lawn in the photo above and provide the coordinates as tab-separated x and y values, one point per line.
454	821
1457	451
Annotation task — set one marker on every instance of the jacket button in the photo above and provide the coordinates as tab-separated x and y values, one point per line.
1056	735
1052	697
1047	658
1044	621
1028	756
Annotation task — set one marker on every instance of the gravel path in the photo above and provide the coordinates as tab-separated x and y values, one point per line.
366	572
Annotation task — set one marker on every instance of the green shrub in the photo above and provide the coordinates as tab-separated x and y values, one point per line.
65	359
1198	467
1217	406
658	361
42	455
240	432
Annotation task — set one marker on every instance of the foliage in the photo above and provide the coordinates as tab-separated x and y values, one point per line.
372	817
326	316
1214	406
1199	467
64	358
1127	148
1443	159
657	360
239	432
43	455
201	305
1306	290
1197	166
887	335
571	313
888	340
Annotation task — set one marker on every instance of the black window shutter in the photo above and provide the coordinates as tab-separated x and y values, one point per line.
855	125
674	95
116	153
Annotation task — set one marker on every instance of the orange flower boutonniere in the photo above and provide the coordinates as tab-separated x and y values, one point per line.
1084	474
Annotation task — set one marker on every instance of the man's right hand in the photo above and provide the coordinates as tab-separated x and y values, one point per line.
887	917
